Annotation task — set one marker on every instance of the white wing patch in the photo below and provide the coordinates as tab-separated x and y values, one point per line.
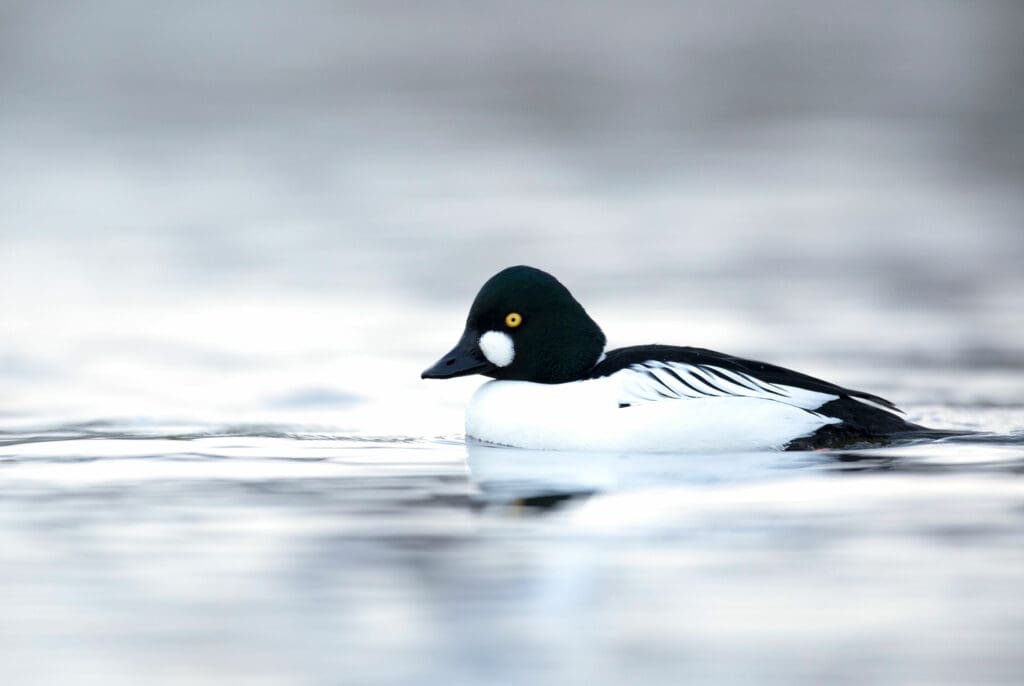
658	380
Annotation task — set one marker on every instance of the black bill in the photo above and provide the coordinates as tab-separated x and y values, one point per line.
464	359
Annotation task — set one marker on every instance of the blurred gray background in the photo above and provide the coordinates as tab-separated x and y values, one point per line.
366	145
824	174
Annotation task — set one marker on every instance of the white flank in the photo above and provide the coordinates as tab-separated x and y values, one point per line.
498	348
586	416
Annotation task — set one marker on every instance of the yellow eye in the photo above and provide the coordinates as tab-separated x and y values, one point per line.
513	319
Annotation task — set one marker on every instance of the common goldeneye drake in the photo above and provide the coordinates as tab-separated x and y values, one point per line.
556	388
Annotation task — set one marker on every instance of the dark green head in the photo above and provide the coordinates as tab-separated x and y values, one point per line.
524	325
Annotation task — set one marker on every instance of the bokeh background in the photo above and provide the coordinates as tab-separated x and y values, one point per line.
234	218
204	184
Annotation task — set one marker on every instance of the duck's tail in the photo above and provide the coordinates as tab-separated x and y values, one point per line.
866	425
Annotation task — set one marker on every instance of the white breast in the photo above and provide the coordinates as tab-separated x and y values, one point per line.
586	415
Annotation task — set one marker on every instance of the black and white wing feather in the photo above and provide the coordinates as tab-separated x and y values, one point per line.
656	372
659	380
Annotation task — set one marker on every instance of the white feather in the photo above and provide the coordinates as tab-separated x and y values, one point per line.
498	348
586	415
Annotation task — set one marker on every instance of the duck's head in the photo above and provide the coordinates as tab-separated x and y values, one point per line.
524	325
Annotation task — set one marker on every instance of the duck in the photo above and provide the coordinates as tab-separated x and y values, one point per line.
554	386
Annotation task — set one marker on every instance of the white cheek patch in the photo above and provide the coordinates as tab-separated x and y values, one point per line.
498	348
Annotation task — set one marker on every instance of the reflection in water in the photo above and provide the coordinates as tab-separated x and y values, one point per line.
390	558
504	473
